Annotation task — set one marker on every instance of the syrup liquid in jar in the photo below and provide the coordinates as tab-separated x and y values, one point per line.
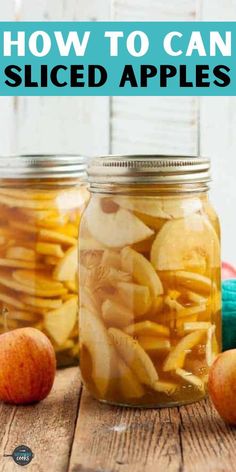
41	202
150	299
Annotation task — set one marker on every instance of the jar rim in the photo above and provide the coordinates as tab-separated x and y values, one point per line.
152	168
43	166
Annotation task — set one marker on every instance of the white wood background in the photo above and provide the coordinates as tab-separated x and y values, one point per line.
100	125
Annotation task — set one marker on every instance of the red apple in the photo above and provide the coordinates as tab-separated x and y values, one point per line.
228	271
27	366
222	385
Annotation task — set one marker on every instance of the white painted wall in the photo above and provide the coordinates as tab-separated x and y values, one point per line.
218	140
98	125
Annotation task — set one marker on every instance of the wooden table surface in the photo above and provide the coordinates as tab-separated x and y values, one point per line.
71	432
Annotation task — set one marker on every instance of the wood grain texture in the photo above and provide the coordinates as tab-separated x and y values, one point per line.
47	428
112	439
187	439
65	10
70	433
77	125
154	124
208	444
218	140
155	10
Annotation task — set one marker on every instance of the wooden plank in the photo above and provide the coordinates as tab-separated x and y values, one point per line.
77	125
114	439
47	428
154	124
155	10
218	140
65	10
188	439
218	11
208	444
63	125
7	104
8	10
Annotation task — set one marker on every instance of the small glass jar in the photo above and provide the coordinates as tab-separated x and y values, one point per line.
150	301
41	202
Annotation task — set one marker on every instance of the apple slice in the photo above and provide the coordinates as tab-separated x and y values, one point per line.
196	298
72	285
66	269
193	281
36	279
189	243
117	229
60	322
49	249
136	297
160	207
147	328
7	281
173	304
115	314
111	258
211	353
94	336
55	237
90	244
44	303
134	356
154	345
19	264
176	357
169	388
130	387
189	327
89	301
22	253
190	378
141	270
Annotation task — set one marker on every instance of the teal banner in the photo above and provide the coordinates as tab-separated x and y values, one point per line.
118	58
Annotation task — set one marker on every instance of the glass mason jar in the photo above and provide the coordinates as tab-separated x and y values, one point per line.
150	314
41	201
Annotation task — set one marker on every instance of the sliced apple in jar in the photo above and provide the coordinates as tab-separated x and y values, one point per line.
194	281
94	336
211	346
189	243
141	270
136	297
177	355
147	328
154	345
115	229
134	356
115	314
191	379
112	259
166	208
66	269
60	322
89	301
194	326
130	387
21	253
169	388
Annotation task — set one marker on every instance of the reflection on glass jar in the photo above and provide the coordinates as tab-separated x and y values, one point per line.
41	202
150	317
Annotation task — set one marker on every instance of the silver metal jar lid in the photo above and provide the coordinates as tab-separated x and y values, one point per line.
42	166
148	169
